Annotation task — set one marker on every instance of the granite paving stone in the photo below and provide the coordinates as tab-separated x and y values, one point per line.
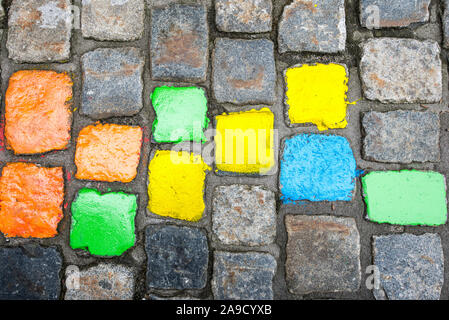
376	14
30	273
323	254
112	82
113	20
401	136
103	282
177	257
314	26
250	16
243	276
179	43
445	23
243	71
39	31
397	70
410	266
244	215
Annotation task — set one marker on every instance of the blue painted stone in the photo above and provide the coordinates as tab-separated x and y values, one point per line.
30	273
317	168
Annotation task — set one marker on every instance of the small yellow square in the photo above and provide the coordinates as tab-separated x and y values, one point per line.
317	94
244	142
176	185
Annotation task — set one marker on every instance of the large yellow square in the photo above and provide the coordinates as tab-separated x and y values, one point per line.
317	94
176	185
244	142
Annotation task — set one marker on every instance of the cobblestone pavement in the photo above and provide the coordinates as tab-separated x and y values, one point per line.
346	200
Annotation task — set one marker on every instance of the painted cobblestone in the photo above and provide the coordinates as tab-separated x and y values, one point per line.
243	276
179	43
112	82
315	26
401	136
195	212
113	20
177	257
323	254
102	282
401	70
410	266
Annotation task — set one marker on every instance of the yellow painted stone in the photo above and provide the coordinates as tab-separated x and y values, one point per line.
176	185
245	142
317	94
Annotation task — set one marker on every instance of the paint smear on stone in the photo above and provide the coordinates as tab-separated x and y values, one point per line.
317	168
176	185
181	114
103	224
108	152
37	111
245	142
407	197
317	94
31	200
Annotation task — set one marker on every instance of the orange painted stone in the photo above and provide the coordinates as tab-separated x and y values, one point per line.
31	200
37	111
108	152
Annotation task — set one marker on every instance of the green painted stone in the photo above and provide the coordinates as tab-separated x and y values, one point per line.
181	114
407	197
103	224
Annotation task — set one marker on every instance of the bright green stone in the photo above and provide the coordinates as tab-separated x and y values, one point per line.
103	224
407	197
181	114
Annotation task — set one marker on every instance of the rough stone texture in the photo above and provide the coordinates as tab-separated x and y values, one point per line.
251	16
401	70
244	215
163	3
30	273
112	82
113	20
323	254
179	43
103	282
445	23
306	26
2	11
39	31
401	136
375	14
244	71
243	276
177	257
411	267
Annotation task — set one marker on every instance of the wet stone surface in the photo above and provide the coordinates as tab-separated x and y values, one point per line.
244	215
112	82
323	254
401	136
393	13
411	267
103	282
39	31
179	43
251	16
113	20
401	70
243	276
30	273
177	257
243	71
315	26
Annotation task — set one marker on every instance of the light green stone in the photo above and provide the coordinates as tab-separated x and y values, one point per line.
103	224
407	197
181	114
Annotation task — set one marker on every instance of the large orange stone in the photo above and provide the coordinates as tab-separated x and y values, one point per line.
37	111
31	200
108	152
